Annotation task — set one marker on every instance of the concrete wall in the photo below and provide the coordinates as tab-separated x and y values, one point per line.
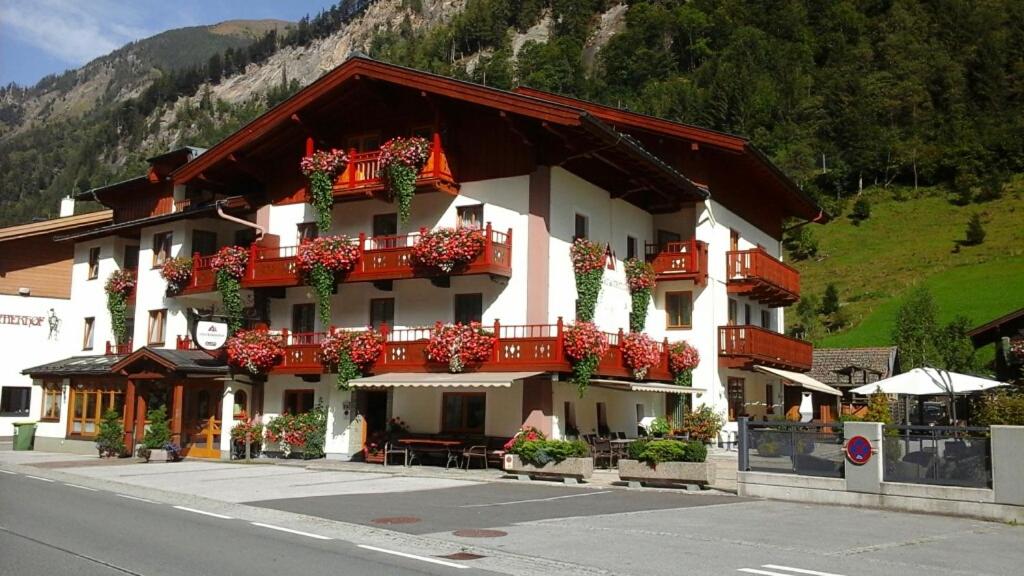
621	408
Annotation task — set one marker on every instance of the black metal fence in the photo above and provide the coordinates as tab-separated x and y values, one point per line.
943	455
810	449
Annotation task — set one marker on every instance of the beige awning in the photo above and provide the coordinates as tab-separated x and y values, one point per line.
798	379
645	387
441	380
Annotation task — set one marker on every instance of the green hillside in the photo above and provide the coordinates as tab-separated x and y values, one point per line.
914	241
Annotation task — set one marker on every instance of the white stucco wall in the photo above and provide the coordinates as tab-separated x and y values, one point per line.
421	408
621	408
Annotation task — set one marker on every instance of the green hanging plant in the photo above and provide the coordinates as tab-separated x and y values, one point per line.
585	345
588	259
350	354
401	160
320	261
640	277
230	263
118	288
682	359
321	167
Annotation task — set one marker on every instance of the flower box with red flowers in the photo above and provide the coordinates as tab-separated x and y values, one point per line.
329	162
639	275
231	259
412	152
639	352
335	253
587	256
177	272
121	282
682	359
583	339
459	345
448	248
362	347
256	351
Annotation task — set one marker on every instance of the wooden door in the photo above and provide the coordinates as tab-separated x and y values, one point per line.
202	421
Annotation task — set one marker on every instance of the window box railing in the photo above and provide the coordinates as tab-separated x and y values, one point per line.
744	346
683	260
362	173
761	276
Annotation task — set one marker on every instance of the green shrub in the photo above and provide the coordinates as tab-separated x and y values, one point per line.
656	451
861	210
999	408
659	427
975	233
540	452
158	434
703	424
110	439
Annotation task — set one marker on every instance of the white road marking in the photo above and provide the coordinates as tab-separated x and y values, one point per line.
762	572
289	530
9	472
799	570
413	556
534	500
38	478
136	498
81	487
204	513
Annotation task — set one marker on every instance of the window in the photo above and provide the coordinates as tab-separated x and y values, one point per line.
94	263
679	309
298	401
582	227
204	242
157	326
747	314
51	401
666	237
569	414
464	412
734	240
87	404
385	224
733	312
766	319
382	311
131	257
161	247
602	419
364	142
15	400
307	231
469	308
88	333
640	413
631	247
769	398
245	237
303	318
737	400
470	216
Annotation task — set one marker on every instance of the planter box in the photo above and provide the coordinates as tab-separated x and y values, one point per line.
702	473
152	455
574	468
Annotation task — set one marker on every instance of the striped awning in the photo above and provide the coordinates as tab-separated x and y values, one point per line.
798	379
441	380
645	387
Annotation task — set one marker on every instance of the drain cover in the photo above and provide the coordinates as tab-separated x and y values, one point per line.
480	533
396	520
462	556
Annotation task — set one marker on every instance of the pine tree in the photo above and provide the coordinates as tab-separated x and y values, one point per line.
878	409
830	301
110	439
159	433
975	231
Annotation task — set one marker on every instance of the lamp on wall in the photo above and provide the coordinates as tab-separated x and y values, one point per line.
23	291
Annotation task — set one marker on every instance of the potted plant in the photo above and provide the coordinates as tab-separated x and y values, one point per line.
110	439
321	167
682	359
459	345
588	260
304	434
157	438
401	160
448	248
584	344
350	354
119	287
639	352
256	351
667	462
230	263
659	427
177	272
640	276
247	430
530	454
321	261
703	424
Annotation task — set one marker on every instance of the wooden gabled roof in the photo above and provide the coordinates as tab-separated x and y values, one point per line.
55	225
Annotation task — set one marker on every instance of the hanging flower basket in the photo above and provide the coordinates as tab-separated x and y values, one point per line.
119	287
121	283
640	277
335	253
448	248
350	353
321	167
459	345
177	272
231	260
682	359
585	345
640	353
230	263
256	351
401	160
588	260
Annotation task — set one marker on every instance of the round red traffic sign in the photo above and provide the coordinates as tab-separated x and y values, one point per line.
858	449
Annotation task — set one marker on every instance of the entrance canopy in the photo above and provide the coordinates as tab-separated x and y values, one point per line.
928	382
441	380
798	379
645	387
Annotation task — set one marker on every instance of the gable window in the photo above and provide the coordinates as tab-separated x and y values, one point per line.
87	336
94	263
679	310
297	401
307	231
157	326
303	318
51	401
469	308
382	311
470	216
15	400
161	247
204	242
582	227
464	412
631	247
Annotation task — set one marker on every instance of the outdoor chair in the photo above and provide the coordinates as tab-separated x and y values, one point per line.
392	448
491	452
602	450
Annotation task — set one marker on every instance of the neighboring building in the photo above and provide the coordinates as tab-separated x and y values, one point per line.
845	368
1007	333
533	170
35	307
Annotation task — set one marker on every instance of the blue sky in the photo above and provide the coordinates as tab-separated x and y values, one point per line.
40	37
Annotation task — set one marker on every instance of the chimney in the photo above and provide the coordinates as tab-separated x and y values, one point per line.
67	206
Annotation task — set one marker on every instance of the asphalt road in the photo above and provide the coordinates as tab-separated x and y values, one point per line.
52	527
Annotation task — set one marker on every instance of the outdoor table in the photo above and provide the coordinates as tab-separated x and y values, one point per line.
433	445
620	446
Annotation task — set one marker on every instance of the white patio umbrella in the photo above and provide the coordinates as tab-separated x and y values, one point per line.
929	382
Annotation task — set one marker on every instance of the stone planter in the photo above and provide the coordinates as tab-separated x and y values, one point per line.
570	470
144	454
667	473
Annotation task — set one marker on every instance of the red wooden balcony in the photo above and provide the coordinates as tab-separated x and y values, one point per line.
118	349
517	348
382	258
362	174
685	260
762	277
745	346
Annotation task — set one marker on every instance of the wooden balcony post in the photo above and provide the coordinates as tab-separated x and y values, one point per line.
558	339
284	337
488	245
108	348
176	410
128	418
251	264
665	354
435	155
353	167
497	340
195	268
309	146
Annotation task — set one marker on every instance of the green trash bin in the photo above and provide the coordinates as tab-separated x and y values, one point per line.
24	434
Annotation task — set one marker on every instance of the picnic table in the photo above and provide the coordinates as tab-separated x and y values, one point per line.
421	446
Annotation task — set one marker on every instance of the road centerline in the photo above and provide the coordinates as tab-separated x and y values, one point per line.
9	472
799	570
135	498
412	556
534	500
81	487
290	531
38	478
203	512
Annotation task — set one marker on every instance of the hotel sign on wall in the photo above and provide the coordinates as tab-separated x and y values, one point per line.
211	335
20	320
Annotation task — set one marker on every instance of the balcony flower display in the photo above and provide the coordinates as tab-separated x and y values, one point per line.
321	167
305	432
682	359
640	352
256	351
350	353
448	248
119	287
320	261
584	344
177	272
588	260
401	160
640	277
459	345
230	263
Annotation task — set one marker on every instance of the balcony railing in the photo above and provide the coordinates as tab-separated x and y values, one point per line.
762	277
362	175
118	349
381	258
516	348
684	260
745	346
